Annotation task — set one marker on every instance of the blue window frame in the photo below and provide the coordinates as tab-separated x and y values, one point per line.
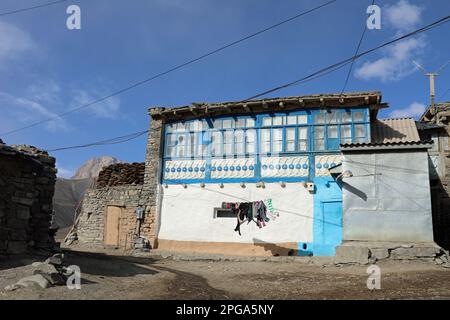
303	132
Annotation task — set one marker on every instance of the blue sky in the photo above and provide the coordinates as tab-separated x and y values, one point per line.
46	69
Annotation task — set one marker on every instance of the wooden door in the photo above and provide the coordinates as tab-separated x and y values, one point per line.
112	224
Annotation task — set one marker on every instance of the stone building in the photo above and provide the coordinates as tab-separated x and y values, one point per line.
205	159
27	182
435	125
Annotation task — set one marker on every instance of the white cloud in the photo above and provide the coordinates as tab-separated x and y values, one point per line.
25	110
414	110
403	16
396	62
14	42
105	109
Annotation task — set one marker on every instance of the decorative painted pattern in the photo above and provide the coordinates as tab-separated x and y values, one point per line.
284	167
323	163
185	169
232	168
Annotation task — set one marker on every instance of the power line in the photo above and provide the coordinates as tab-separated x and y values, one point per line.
356	53
310	77
349	60
137	84
7	13
110	141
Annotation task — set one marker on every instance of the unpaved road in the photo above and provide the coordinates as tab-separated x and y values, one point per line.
119	277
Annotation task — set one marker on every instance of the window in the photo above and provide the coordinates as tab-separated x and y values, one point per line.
303	139
290	139
224	213
319	138
265	140
239	142
216	143
250	141
346	134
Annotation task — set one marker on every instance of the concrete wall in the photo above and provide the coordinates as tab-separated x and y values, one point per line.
388	197
27	183
187	216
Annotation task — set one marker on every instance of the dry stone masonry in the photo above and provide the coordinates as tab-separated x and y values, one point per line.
121	174
27	184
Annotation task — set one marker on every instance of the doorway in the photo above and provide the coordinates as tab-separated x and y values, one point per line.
112	226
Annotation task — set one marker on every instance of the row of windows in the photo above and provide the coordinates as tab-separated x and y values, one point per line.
277	134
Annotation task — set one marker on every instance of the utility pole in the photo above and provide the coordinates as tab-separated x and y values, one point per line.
432	76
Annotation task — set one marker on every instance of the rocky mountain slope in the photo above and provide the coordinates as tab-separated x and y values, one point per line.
69	192
92	167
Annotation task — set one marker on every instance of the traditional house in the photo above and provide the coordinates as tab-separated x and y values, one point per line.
435	125
210	166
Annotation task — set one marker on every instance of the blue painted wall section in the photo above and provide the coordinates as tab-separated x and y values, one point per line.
327	224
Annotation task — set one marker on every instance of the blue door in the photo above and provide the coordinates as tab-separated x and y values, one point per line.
328	228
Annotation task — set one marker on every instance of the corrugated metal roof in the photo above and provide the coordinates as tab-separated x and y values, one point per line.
394	130
396	133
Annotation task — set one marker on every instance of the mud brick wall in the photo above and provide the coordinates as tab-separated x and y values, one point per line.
27	184
121	174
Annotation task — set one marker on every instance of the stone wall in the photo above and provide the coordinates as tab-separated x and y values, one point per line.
120	174
90	227
27	183
91	224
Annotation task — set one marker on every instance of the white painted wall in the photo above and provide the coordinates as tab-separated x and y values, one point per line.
188	214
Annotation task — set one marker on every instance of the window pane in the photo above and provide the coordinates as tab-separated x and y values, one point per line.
290	134
250	123
180	127
216	142
303	133
205	124
346	117
267	121
240	123
319	144
170	151
360	130
346	131
290	146
239	141
292	120
358	116
265	140
303	145
217	124
277	121
250	141
319	118
332	117
303	119
170	128
332	132
228	123
319	132
190	145
277	140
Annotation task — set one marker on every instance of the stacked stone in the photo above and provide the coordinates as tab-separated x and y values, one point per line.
27	183
121	174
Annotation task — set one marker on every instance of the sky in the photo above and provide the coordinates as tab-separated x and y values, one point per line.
47	69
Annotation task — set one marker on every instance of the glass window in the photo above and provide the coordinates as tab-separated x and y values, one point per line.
228	123
332	116
291	120
319	138
228	142
360	130
303	139
290	139
265	140
250	122
277	121
346	134
303	119
332	132
277	140
267	121
346	117
216	143
358	116
240	123
239	141
319	118
250	141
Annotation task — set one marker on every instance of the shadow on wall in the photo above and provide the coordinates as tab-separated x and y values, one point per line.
383	130
274	249
355	191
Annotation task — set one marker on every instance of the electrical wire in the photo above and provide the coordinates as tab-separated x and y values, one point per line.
156	76
356	53
7	13
324	71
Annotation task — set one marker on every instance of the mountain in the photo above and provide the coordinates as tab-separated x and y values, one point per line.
92	167
69	192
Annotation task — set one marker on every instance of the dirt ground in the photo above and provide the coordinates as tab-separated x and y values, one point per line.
108	276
